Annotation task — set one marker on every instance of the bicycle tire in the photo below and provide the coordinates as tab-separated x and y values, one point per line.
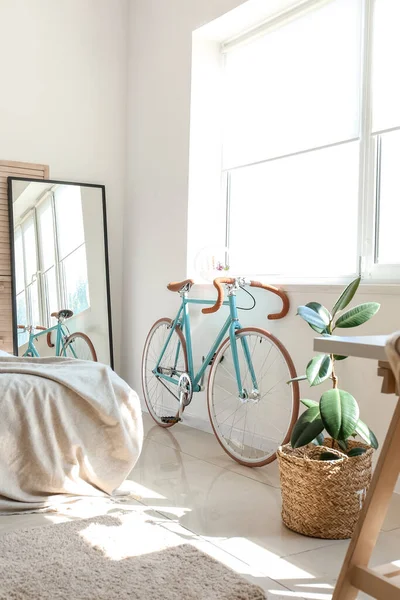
292	391
87	344
146	377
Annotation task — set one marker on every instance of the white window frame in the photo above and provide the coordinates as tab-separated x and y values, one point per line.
371	271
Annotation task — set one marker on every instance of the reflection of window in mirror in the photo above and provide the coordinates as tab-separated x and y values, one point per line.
71	248
50	258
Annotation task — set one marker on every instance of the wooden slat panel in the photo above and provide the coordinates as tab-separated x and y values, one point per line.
6	323
16	169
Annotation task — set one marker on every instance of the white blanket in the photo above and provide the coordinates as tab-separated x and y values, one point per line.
67	428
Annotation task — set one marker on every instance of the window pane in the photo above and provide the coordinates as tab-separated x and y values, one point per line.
297	216
385	67
296	87
19	261
51	291
69	218
46	233
29	236
22	318
34	304
389	205
76	281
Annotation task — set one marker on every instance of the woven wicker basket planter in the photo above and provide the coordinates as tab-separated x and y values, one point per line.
323	499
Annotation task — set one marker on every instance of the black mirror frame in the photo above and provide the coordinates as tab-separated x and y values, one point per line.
12	254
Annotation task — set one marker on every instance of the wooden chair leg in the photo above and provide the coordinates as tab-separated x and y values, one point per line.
374	511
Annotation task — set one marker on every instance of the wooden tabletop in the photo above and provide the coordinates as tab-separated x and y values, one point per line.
363	346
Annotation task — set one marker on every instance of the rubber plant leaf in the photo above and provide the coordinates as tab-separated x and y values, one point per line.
319	369
329	456
308	426
319	440
309	403
356	452
366	434
339	413
346	296
312	317
323	313
358	315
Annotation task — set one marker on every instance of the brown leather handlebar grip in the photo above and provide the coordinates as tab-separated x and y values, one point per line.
218	284
282	295
20	326
48	336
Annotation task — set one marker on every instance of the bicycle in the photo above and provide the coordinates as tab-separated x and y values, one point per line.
251	408
72	345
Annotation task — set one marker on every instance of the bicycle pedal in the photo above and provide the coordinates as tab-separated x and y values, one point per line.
170	420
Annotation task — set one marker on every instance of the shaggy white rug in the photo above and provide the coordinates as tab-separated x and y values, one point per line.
119	557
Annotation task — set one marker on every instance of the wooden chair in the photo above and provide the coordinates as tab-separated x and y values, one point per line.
381	582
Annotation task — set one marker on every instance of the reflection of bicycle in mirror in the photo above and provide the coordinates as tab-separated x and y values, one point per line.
251	408
72	345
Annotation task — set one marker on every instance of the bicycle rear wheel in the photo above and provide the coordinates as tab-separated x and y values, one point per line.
79	345
162	397
251	429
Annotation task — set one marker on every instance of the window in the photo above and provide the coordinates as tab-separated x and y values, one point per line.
311	140
50	258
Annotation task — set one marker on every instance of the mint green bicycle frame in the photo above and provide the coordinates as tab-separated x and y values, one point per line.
61	335
182	320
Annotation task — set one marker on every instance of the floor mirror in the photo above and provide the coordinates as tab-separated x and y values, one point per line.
60	273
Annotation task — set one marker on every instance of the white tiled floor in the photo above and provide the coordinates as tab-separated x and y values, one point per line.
186	476
187	484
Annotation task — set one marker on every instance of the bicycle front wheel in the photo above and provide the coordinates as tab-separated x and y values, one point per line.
79	345
250	425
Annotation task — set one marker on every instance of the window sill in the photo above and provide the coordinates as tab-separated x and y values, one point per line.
327	287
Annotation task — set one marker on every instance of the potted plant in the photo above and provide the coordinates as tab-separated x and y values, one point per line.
324	479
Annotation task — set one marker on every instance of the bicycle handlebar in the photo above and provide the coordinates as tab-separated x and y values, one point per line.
220	298
40	328
218	284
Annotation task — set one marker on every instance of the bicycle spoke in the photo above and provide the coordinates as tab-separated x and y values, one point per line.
251	429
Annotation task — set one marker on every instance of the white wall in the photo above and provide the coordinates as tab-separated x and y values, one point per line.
63	100
157	210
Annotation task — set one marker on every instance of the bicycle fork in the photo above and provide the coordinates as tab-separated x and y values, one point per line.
244	394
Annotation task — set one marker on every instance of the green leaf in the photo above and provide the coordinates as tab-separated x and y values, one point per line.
339	357
339	413
323	313
356	451
308	426
299	378
366	434
342	445
358	315
346	296
319	369
312	318
309	403
319	440
329	456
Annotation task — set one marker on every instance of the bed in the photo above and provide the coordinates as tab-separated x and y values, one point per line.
68	428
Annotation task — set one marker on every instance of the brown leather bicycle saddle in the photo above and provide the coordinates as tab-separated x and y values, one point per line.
176	286
64	313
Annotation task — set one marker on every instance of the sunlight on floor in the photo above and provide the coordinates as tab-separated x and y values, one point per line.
302	595
260	558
